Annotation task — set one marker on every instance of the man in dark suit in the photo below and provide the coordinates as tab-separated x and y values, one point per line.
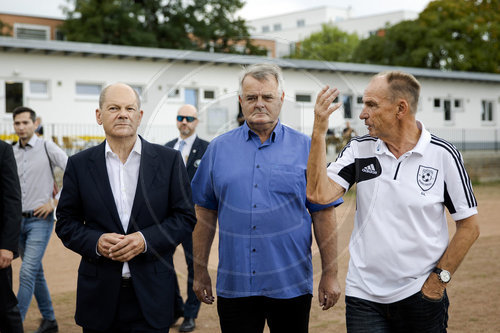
10	224
125	206
192	149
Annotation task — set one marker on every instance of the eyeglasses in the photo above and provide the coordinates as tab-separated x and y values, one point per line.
188	118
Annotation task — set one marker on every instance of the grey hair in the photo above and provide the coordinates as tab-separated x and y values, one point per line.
102	96
405	85
261	72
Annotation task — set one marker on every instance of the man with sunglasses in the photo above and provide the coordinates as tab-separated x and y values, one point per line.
192	149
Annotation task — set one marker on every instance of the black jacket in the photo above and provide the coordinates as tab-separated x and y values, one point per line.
195	155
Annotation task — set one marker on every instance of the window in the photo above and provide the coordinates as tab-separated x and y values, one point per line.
60	35
301	23
39	88
31	31
347	102
265	28
304	98
208	94
13	95
359	100
447	110
437	103
458	105
88	89
277	27
486	110
191	96
240	48
138	89
173	93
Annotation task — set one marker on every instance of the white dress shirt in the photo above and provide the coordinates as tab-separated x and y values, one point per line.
35	175
187	147
123	178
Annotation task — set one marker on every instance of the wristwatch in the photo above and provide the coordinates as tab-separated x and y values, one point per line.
443	275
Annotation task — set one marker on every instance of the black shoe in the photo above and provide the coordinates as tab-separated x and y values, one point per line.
187	325
176	318
48	326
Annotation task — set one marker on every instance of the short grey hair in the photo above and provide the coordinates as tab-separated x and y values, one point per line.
403	85
262	72
102	96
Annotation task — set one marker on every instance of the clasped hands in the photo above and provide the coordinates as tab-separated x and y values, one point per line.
120	247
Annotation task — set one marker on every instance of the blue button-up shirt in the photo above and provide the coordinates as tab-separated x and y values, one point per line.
259	192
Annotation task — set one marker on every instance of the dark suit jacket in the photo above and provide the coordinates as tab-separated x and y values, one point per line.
195	155
162	211
10	218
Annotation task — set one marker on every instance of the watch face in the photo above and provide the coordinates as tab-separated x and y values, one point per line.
445	276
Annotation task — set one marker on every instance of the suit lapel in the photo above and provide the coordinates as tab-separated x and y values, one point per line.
99	173
192	153
147	172
172	143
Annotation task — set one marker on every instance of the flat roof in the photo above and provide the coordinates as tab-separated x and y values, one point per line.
51	47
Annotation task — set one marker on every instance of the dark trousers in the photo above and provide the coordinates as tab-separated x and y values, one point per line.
190	308
129	317
249	314
415	314
10	317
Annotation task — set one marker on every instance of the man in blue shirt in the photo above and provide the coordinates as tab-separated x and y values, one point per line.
253	181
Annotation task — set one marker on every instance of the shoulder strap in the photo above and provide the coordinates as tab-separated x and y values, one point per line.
50	161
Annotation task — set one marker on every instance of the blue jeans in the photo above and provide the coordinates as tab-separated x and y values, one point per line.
33	240
415	314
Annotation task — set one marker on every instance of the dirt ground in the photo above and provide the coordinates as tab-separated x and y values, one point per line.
474	290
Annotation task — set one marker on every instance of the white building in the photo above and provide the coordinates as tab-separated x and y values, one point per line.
62	81
286	30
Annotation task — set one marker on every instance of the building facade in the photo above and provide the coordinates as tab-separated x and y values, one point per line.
283	32
31	27
62	81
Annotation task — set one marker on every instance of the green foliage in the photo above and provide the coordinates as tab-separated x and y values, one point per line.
330	44
193	25
458	35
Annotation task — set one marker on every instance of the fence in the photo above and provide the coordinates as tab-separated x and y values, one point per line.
465	139
75	137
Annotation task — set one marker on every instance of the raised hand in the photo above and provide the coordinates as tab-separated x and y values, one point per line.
324	108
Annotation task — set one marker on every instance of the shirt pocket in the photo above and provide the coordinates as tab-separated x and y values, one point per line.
287	179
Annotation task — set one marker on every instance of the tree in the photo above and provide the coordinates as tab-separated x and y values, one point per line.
193	25
330	44
448	35
106	22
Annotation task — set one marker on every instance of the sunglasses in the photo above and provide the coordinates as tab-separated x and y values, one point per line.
188	118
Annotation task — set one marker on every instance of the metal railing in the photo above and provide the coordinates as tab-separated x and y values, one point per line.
76	137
